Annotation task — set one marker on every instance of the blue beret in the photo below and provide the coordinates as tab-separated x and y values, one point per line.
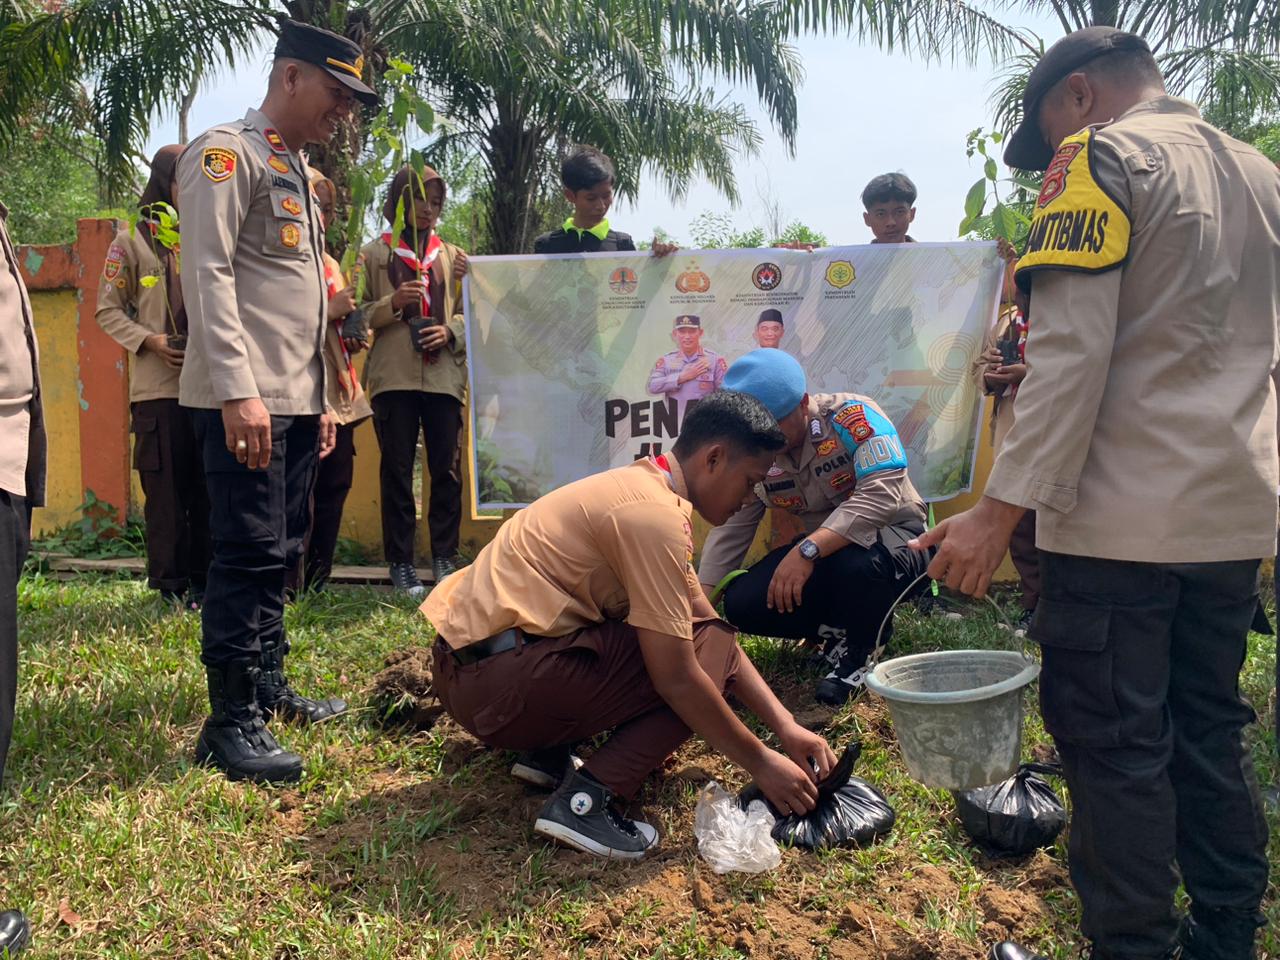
772	376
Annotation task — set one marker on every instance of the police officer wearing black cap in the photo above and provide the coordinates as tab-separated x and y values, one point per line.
253	284
1146	443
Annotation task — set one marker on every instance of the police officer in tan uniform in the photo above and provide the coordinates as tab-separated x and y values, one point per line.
22	482
1146	442
843	474
690	372
253	283
140	306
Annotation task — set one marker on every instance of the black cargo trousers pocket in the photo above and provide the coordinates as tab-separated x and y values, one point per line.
1104	629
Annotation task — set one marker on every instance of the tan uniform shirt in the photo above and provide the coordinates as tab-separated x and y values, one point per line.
850	477
393	363
22	437
129	312
1146	427
252	274
344	394
614	546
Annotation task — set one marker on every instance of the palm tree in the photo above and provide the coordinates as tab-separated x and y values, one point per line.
1197	44
129	60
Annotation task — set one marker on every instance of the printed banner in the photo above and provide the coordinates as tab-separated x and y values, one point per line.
580	363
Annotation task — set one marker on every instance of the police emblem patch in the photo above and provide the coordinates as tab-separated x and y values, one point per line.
827	447
850	414
291	205
1078	224
788	503
290	235
840	274
862	431
767	276
815	427
115	260
276	141
218	163
275	163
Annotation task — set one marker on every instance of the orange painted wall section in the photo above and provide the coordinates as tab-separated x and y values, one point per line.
86	388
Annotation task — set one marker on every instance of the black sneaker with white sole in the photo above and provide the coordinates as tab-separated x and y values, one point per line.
580	815
404	579
544	769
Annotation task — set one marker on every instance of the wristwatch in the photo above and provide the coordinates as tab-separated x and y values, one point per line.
809	550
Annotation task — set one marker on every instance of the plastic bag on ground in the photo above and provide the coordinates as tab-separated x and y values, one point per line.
731	838
850	811
1017	816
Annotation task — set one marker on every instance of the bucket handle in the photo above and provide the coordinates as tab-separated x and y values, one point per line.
874	658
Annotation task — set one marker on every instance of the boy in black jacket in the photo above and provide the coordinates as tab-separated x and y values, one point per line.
587	176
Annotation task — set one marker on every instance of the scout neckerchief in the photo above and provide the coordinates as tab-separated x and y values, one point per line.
421	268
332	273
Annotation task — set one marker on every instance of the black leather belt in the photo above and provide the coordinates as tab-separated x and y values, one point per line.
498	643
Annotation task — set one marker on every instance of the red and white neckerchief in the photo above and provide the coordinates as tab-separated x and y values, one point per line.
332	274
421	268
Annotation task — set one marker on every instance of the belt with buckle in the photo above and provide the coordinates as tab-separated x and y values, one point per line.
498	643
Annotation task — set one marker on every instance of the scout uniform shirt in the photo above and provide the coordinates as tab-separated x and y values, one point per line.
849	477
571	239
666	374
344	395
613	546
393	362
252	272
129	312
22	438
1146	427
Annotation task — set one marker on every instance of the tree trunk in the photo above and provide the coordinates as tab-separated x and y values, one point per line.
512	157
184	111
1105	13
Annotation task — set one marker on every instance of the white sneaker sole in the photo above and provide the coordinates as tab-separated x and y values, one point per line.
570	838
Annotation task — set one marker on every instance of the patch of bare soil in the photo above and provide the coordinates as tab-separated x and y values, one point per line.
402	693
466	833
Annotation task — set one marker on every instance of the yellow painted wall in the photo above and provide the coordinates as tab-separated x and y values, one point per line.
55	313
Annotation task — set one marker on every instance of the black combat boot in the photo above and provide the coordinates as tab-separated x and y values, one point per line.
279	700
1219	934
234	738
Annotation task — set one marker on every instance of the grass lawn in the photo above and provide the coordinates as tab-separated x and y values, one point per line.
416	844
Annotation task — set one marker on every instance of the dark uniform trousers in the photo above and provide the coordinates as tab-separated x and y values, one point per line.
1139	690
845	599
398	417
15	539
1026	559
333	482
257	520
171	468
554	691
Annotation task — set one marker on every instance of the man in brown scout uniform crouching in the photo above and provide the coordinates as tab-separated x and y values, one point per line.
584	615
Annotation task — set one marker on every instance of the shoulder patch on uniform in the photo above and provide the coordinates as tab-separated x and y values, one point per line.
275	163
1077	224
115	262
815	427
218	163
853	417
275	140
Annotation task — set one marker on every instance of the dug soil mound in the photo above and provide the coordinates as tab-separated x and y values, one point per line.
457	841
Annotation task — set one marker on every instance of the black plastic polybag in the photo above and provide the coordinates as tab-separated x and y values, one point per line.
1017	816
850	811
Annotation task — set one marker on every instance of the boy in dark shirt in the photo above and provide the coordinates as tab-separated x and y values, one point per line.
587	176
890	203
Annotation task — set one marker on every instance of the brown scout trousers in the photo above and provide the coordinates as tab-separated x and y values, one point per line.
560	690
